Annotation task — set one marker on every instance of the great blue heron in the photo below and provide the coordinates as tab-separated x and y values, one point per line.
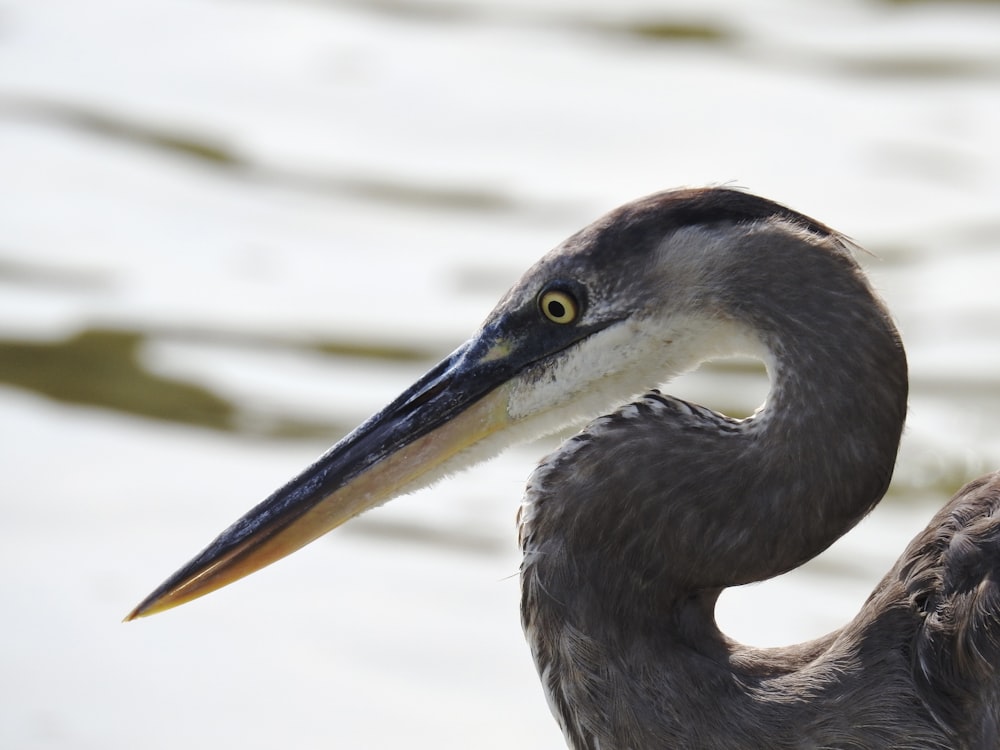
632	528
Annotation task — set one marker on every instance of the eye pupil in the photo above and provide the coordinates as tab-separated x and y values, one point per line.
559	306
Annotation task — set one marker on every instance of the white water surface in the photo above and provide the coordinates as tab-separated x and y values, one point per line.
209	175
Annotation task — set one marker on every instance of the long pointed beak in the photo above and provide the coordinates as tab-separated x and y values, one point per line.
408	444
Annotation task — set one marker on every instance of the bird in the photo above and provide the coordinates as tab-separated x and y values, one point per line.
632	528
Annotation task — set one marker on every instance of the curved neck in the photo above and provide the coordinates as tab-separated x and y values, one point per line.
632	528
663	504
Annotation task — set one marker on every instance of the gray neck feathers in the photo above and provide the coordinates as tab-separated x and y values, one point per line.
663	504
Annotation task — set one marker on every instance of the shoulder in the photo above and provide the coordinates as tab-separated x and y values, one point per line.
951	574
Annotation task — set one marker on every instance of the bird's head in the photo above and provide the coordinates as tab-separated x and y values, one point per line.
617	308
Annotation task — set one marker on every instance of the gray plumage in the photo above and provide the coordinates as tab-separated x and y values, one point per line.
632	529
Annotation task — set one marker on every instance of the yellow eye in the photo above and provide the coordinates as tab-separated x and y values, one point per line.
559	306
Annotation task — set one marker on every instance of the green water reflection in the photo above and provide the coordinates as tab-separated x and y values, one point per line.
102	367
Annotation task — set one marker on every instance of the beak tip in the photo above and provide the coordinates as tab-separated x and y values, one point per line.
144	608
164	598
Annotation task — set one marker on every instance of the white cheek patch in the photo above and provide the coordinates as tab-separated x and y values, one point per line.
620	363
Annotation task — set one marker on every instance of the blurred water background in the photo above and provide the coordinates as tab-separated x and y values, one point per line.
231	229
